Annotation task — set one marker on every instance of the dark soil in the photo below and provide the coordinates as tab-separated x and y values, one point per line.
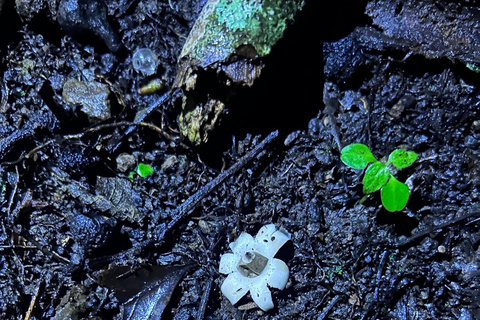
393	74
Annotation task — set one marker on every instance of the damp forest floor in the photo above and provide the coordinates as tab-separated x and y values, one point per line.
389	74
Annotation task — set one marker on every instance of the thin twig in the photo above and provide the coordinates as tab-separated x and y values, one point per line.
32	303
203	303
14	192
42	248
329	308
436	229
330	107
89	131
118	124
381	268
186	207
16	246
142	118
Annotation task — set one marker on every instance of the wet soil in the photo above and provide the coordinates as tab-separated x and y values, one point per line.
71	211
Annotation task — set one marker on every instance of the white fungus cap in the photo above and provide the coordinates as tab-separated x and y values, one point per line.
274	274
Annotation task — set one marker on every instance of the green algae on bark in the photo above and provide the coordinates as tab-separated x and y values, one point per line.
228	37
226	25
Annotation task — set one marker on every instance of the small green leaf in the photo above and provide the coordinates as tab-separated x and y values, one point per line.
375	177
357	156
473	67
402	159
394	195
144	170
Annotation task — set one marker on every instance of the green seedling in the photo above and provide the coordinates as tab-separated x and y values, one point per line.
378	175
143	170
334	270
473	67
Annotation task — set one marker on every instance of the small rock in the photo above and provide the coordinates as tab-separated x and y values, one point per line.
124	200
125	162
404	103
27	9
92	96
314	128
169	162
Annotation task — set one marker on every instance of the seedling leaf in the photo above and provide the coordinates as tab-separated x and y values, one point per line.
144	170
402	159
394	195
357	156
375	177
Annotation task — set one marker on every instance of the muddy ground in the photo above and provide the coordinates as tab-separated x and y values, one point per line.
392	74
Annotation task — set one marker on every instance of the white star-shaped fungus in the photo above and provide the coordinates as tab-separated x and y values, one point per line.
252	266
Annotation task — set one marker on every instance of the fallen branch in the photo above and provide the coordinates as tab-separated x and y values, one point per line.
440	228
187	207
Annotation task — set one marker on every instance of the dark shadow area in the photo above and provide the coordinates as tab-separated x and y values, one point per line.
289	91
10	21
50	30
401	223
337	19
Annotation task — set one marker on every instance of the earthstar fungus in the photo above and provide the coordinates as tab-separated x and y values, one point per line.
252	266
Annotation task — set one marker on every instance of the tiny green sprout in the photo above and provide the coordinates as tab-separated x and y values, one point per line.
473	67
143	170
378	176
334	270
338	270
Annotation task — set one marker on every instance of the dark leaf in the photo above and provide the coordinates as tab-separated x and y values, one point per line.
145	293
